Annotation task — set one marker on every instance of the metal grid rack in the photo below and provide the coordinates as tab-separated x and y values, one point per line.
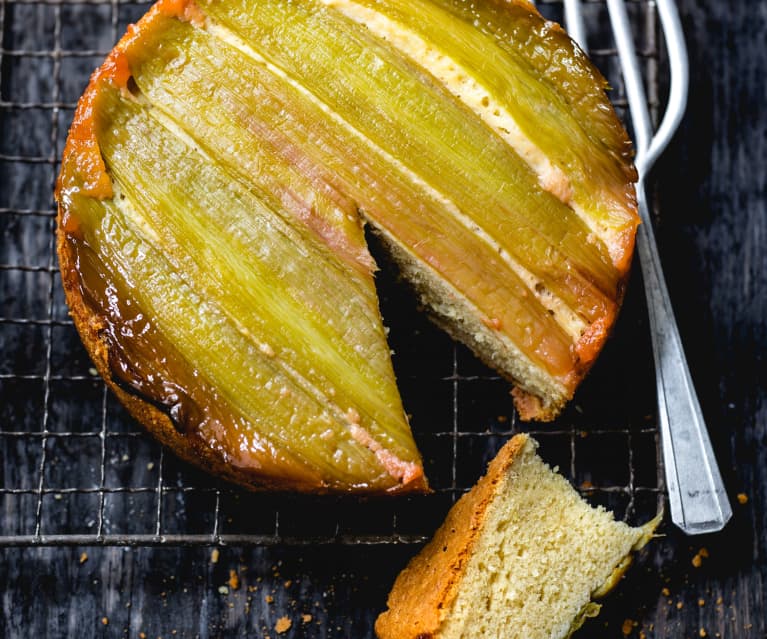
77	470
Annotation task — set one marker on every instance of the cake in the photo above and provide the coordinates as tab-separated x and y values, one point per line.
216	180
521	555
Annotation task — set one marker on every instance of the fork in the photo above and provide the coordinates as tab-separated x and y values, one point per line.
697	497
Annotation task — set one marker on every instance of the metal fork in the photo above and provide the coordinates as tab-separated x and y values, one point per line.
697	497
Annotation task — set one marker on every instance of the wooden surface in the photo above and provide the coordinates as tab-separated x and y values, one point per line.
712	238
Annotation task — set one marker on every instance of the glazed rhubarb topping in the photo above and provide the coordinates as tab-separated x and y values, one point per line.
220	169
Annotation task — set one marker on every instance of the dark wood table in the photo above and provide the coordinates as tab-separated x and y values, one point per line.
712	191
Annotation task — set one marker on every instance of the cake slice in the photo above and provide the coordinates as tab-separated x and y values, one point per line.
519	556
212	196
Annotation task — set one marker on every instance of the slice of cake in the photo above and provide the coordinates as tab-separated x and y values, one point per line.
212	196
519	556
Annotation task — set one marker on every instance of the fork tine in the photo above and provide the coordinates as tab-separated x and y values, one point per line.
632	75
679	68
650	146
574	24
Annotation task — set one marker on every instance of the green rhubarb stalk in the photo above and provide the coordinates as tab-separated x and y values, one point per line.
528	37
143	362
272	284
288	188
425	128
501	63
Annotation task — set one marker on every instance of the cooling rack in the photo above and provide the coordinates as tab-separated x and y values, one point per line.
76	469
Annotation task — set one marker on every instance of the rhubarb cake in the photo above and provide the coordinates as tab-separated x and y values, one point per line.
214	186
520	556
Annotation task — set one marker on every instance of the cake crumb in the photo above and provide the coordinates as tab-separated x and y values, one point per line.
269	599
742	499
665	592
234	580
223	590
283	625
306	618
701	602
697	560
288	583
83	557
718	601
214	555
628	626
679	605
702	632
141	635
105	621
491	322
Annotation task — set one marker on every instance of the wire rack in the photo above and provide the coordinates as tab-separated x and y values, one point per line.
76	469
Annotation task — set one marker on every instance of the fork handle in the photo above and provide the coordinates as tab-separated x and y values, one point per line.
697	497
